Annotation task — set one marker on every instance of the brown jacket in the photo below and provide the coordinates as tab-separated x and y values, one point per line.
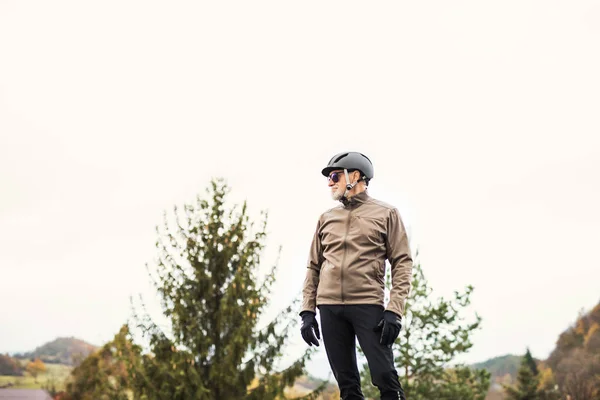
346	264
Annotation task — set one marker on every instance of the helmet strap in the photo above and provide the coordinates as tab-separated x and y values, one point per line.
349	185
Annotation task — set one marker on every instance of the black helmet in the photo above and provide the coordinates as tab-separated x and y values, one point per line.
350	160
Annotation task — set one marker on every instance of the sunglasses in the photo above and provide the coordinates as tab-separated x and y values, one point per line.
335	177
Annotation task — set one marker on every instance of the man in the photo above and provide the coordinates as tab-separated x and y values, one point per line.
345	279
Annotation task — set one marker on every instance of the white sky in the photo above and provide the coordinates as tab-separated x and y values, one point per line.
482	120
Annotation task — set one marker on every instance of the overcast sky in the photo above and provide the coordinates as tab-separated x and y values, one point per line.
481	119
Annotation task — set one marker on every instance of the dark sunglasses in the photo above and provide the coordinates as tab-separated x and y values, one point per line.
335	177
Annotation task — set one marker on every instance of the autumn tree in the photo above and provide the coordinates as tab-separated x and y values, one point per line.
575	362
106	373
434	333
35	367
547	387
208	278
580	375
9	366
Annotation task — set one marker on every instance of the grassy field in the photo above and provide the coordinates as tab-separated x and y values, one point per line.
55	374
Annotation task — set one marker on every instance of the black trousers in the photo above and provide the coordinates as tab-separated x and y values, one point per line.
341	325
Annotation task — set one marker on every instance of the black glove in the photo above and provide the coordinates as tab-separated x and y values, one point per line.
390	326
310	328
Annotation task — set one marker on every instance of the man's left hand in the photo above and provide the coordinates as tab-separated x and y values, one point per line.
390	326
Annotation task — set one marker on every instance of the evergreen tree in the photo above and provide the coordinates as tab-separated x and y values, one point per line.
527	383
531	363
207	277
432	335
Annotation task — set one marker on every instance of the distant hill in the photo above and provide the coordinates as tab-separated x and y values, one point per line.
67	350
503	369
501	366
573	366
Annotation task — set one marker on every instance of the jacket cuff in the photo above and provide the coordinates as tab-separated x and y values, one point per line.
307	311
395	310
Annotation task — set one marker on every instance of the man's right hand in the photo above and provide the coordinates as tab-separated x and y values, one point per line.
310	328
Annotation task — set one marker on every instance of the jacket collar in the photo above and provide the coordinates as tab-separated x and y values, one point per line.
355	200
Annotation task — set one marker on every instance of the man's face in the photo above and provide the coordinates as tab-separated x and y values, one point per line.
337	183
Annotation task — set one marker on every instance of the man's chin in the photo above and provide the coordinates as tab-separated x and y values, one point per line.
337	195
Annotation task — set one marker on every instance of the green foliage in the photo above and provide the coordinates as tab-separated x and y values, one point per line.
458	383
531	363
433	334
464	383
106	373
527	382
207	278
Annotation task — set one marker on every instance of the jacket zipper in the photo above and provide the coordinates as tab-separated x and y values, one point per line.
345	251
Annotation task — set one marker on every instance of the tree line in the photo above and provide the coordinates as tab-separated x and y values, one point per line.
207	277
10	366
572	371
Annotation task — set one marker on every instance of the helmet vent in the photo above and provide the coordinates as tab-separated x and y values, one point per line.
340	157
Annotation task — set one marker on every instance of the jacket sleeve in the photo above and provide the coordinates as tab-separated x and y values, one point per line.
313	270
399	256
